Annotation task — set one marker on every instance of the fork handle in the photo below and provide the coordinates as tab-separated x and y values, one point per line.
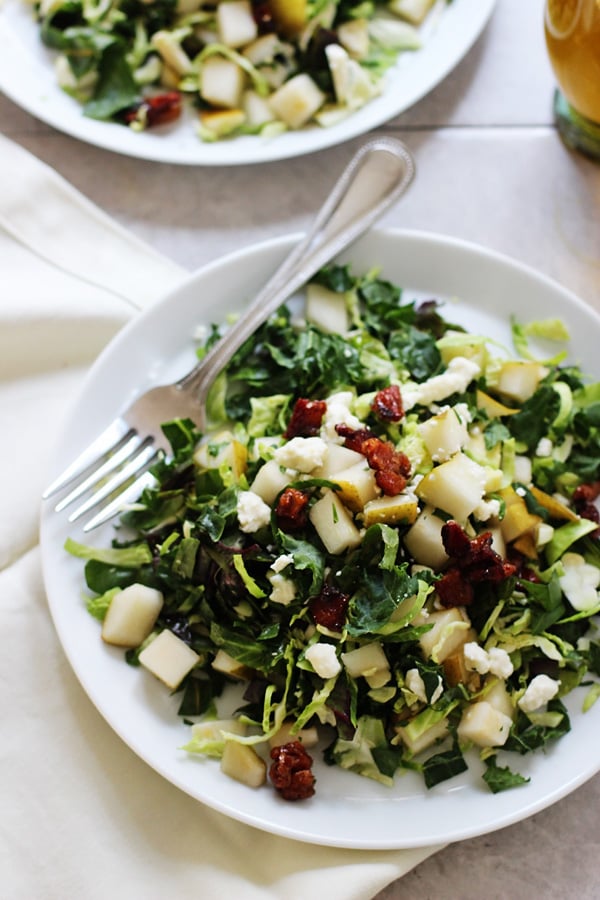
373	180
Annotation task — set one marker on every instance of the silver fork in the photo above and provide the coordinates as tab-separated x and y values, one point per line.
115	466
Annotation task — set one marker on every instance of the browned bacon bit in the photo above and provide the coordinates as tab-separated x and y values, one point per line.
472	561
291	509
391	466
157	110
306	419
387	404
291	772
329	608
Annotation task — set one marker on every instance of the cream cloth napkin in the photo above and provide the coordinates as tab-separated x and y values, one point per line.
80	815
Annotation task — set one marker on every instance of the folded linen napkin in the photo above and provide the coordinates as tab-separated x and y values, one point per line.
81	815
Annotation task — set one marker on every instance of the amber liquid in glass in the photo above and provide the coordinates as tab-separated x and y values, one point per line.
573	43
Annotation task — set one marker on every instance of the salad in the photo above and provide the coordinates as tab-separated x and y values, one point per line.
246	66
387	540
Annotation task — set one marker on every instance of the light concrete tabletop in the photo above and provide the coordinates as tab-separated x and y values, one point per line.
491	169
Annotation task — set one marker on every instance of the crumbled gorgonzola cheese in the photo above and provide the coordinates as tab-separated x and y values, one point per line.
338	412
496	661
302	454
457	377
539	691
252	512
283	589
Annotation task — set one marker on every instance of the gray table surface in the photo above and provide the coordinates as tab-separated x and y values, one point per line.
491	169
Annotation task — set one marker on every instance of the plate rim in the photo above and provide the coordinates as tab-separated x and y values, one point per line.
155	147
430	239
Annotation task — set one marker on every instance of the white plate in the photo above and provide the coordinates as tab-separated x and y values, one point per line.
27	77
348	810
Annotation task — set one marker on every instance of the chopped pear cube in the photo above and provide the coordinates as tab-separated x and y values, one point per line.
400	509
236	24
413	11
169	658
353	35
444	434
226	664
256	109
456	486
518	380
297	100
308	737
326	309
242	762
484	725
221	122
269	481
451	629
423	540
222	450
333	523
338	458
498	697
131	615
357	485
290	15
222	82
366	660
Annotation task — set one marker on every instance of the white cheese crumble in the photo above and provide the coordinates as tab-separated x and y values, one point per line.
415	684
456	379
281	562
539	691
487	509
323	660
302	454
252	512
544	447
283	589
496	661
338	412
579	582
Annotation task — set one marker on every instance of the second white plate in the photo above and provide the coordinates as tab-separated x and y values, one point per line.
27	77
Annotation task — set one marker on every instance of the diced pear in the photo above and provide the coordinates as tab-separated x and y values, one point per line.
423	540
213	729
222	82
221	122
236	24
369	662
455	669
169	658
263	50
498	697
400	509
518	379
326	309
444	434
338	458
357	485
498	542
333	523
297	100
413	11
256	109
222	450
289	15
457	486
226	664
556	509
484	725
171	52
131	615
269	481
308	737
523	469
451	629
416	744
493	407
526	545
353	35
517	519
242	762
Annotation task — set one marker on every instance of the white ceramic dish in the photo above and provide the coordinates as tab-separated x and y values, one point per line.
347	811
27	77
